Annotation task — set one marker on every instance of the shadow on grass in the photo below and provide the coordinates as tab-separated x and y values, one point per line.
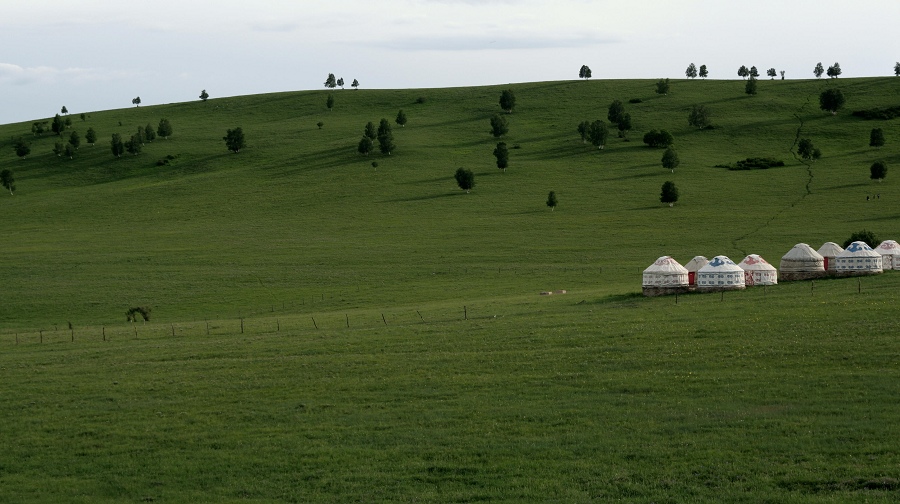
426	197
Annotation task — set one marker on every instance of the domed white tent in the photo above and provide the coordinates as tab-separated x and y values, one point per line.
801	263
757	271
890	254
829	251
665	276
858	259
693	266
720	274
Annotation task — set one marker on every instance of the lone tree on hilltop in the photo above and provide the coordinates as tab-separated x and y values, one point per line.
90	136
355	85
704	72
834	70
507	100
771	73
234	139
64	110
670	159
699	116
8	181
897	69
117	145
585	72
691	71
401	118
743	72
502	155
750	87
598	133
818	70
136	101
22	147
331	82
551	200
340	82
465	179
662	87
499	126
754	73
204	95
668	193
164	129
876	138
878	171
831	100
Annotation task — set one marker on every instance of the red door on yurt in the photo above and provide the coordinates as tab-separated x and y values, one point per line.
692	277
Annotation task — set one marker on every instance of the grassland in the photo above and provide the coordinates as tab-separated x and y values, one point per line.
356	376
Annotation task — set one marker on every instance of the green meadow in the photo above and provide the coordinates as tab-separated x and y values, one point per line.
323	329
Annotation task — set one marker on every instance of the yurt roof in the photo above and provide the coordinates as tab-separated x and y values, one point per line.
803	252
859	249
666	265
888	247
720	263
830	249
754	262
696	263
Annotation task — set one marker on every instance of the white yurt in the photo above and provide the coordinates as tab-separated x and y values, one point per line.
693	266
890	254
720	274
858	259
829	251
665	276
801	263
757	271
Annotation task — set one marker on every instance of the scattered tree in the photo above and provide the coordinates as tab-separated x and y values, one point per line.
834	70
75	140
551	200
818	70
691	71
507	100
401	118
662	86
499	126
331	82
139	136
365	145
583	130
355	85
502	155
624	125
204	95
750	87
385	137
876	138
865	236
22	147
771	73
64	110
743	71
134	144
754	73
878	170
669	193
670	159
897	69
136	101
149	133
370	132
164	129
320	124
234	139
82	116
465	179
704	72
330	102
616	110
58	149
805	148
90	136
38	128
117	145
781	72
585	72
340	82
8	181
598	132
658	138
831	100
699	116
58	125
68	122
69	151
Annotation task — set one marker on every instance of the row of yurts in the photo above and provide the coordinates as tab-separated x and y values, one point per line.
667	276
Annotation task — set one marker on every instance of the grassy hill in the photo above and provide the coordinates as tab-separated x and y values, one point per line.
308	339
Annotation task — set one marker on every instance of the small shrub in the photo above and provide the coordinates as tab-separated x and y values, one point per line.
635	100
863	236
144	311
420	99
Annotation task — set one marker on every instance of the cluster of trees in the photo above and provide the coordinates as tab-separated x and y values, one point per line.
692	71
833	71
134	144
383	134
806	150
331	82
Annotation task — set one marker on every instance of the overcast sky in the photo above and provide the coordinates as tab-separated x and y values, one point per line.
99	54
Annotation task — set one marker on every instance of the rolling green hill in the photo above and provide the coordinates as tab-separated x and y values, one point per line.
326	331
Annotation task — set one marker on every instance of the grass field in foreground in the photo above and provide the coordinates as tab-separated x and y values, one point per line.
784	394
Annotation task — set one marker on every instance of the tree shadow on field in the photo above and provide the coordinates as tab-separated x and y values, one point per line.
845	186
878	219
426	197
